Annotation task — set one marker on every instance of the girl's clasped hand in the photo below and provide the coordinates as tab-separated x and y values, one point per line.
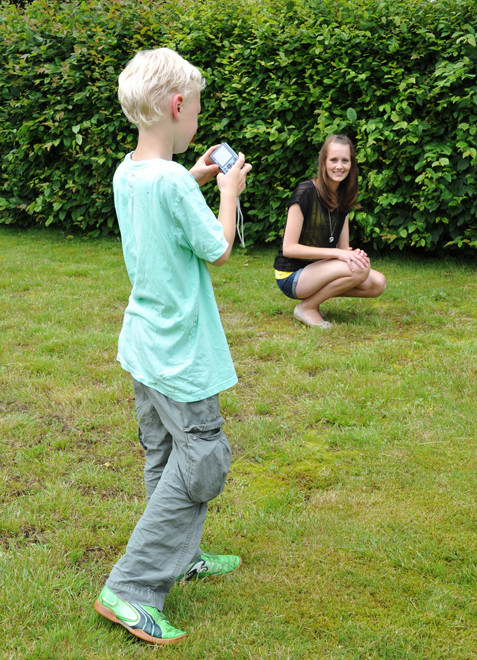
357	258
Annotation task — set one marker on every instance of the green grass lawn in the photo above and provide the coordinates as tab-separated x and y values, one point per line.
351	497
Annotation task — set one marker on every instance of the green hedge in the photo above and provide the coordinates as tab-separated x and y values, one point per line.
398	77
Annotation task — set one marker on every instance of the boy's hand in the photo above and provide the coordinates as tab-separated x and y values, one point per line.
205	170
234	180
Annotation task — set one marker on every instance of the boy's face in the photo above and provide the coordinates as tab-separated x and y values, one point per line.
187	126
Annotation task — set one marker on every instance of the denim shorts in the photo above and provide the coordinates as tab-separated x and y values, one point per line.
288	284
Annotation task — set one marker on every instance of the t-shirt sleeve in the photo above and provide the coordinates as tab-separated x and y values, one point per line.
198	228
303	196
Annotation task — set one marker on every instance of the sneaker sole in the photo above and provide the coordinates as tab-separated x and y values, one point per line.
109	614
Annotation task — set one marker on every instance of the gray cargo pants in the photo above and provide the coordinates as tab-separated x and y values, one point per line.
187	457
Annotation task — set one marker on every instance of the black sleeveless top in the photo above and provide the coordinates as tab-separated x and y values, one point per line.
316	225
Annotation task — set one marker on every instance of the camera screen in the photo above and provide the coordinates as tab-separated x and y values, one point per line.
222	156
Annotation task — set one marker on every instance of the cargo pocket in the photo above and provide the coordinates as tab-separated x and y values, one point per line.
208	462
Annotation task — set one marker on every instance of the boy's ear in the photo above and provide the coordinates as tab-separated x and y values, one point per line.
177	101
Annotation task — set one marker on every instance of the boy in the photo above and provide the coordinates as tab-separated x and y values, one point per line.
172	341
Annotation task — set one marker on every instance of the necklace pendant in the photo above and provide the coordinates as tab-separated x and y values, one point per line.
332	228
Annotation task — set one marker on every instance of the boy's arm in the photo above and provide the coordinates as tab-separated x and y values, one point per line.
231	185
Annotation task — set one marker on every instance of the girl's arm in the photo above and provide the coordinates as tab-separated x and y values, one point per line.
292	248
291	245
343	243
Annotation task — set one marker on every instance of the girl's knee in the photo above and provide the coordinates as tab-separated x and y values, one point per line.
360	276
379	284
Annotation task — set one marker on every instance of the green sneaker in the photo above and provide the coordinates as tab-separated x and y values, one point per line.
211	565
143	621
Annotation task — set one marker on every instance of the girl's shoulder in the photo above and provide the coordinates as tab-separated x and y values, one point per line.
305	190
306	185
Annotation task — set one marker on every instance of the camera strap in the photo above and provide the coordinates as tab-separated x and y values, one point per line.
240	232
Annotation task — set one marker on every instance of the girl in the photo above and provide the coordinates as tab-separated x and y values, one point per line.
315	262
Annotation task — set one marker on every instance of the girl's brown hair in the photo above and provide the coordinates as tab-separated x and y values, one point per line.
347	193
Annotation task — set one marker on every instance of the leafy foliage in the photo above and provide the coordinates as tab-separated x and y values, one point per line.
398	77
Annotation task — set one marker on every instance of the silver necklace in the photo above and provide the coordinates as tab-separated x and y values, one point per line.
332	231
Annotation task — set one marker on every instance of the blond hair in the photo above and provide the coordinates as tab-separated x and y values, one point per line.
150	78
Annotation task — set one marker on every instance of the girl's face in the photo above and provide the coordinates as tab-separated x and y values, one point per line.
337	163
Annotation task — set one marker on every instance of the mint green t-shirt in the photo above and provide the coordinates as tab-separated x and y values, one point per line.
172	338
